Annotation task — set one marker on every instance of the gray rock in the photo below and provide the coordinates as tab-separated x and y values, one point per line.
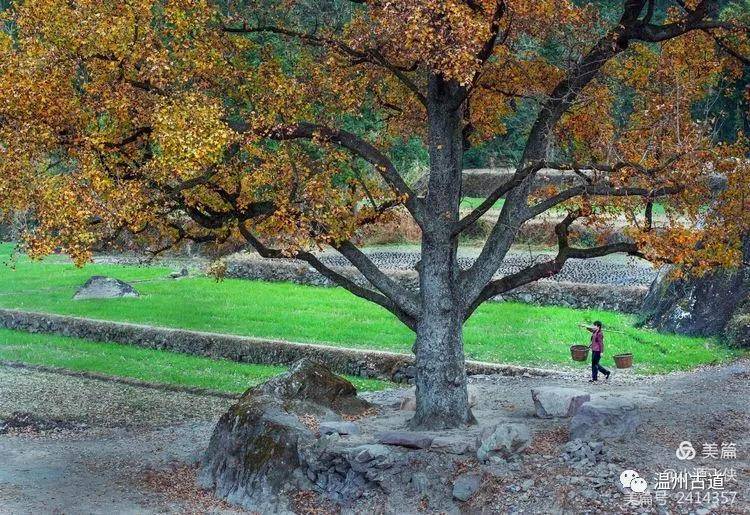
466	485
336	427
100	287
252	454
260	450
420	482
313	382
410	439
503	440
370	452
605	419
589	494
715	304
179	275
454	444
554	401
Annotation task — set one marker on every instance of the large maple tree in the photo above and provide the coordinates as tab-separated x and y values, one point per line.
274	123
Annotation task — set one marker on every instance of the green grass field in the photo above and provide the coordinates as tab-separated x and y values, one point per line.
153	366
469	203
498	332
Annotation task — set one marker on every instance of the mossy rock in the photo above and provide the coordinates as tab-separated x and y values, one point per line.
695	306
252	454
255	448
738	329
313	382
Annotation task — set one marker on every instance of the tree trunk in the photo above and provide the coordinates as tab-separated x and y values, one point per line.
442	400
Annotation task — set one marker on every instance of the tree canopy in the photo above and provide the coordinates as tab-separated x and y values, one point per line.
276	123
127	115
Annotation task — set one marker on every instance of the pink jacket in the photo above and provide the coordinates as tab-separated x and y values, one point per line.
597	341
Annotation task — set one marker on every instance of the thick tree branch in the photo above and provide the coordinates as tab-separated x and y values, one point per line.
496	195
365	293
401	302
371	56
563	96
489	46
551	267
359	147
394	291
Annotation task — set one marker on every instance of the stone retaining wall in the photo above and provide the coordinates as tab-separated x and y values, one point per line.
625	299
389	366
481	182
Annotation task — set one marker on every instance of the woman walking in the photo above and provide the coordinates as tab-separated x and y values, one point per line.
597	349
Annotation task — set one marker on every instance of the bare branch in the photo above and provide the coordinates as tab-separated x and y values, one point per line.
394	291
344	282
598	190
361	148
551	267
496	195
371	56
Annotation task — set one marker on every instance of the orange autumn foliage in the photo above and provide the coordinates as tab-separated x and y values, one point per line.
128	115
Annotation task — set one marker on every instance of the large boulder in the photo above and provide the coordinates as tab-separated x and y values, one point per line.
612	418
716	304
262	447
555	401
100	287
314	383
503	441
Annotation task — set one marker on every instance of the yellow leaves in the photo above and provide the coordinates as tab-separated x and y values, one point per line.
131	97
445	36
190	136
6	46
588	127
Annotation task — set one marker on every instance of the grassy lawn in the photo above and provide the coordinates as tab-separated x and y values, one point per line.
154	366
504	333
474	202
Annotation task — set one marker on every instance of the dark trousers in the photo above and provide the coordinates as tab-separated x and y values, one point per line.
595	366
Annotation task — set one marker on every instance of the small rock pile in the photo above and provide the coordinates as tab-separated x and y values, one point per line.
581	454
345	474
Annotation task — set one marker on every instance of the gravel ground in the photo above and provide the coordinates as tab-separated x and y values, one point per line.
98	403
104	464
138	449
708	405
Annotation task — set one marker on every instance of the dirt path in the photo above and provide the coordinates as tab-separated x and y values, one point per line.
136	451
101	464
